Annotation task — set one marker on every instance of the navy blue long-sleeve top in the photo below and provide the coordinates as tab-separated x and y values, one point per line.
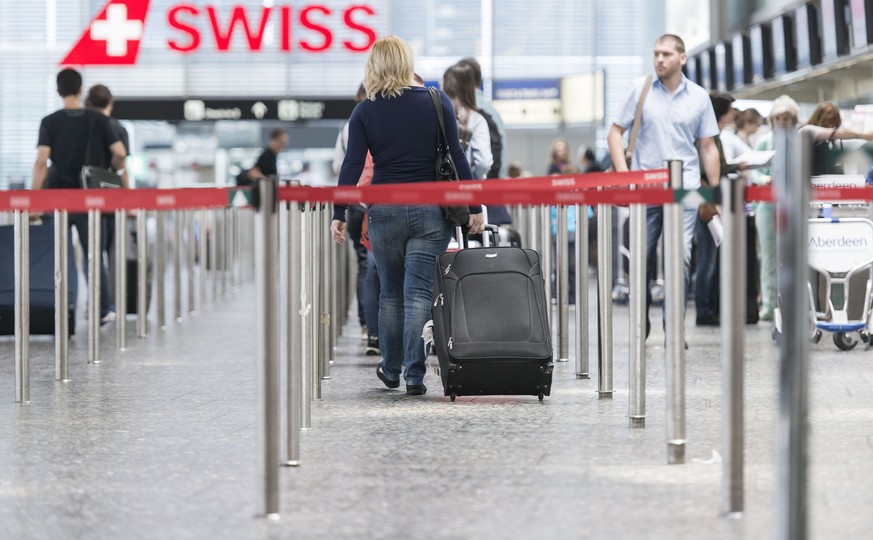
401	135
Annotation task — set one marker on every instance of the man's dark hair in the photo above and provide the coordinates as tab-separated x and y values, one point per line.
99	97
721	103
474	65
69	82
276	133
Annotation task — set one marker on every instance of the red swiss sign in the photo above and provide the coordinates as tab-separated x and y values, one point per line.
113	37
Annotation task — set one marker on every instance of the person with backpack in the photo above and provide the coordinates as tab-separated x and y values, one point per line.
472	127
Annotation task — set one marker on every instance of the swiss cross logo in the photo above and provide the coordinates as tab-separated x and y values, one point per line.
113	37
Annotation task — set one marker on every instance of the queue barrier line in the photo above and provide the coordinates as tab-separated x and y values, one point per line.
549	191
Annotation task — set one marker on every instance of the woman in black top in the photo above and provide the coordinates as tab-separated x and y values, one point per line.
397	124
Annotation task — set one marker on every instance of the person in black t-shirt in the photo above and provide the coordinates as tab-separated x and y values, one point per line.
63	140
266	164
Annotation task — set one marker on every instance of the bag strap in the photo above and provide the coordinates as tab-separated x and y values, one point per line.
87	161
441	123
638	118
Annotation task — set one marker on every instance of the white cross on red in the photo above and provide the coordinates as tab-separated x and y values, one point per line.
116	30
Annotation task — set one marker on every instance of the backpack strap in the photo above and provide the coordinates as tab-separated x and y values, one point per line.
632	142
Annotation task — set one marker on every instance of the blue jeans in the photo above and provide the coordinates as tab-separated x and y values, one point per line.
706	285
406	241
370	295
654	225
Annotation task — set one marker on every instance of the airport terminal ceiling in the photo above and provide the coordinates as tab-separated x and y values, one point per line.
295	59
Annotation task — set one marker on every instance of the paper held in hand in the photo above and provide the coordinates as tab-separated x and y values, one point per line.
754	158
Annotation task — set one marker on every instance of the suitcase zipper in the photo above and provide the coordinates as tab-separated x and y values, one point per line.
450	343
447	270
439	300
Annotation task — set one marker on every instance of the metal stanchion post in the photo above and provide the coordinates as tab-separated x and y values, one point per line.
21	294
604	302
791	174
546	257
142	257
562	275
638	286
160	267
294	358
192	255
178	219
62	301
269	374
223	251
582	363
317	261
95	255
121	279
307	313
733	317
232	246
202	254
213	252
674	311
325	293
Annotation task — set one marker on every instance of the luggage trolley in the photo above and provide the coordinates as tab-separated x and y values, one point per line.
840	255
839	249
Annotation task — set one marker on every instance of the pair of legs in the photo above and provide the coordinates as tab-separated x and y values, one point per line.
355	226
370	293
654	226
80	222
765	223
406	241
706	276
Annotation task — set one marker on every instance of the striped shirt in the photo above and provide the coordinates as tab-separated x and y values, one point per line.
671	123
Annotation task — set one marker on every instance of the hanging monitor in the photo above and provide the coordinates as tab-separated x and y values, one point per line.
724	69
861	18
806	36
784	53
742	60
834	28
704	70
762	53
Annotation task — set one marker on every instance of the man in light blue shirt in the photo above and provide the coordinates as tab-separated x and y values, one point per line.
676	114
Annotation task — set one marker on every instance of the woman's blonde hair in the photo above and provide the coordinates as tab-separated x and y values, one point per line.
389	68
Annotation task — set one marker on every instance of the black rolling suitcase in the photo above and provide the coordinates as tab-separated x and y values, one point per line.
42	280
490	324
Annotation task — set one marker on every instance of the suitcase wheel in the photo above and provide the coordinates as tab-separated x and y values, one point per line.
452	396
541	396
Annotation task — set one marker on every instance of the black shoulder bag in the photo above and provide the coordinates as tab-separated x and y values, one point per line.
94	177
445	165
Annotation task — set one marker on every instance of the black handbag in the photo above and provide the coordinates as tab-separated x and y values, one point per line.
94	177
445	165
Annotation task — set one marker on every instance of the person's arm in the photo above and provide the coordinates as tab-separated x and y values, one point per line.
709	157
118	155
616	148
40	167
483	159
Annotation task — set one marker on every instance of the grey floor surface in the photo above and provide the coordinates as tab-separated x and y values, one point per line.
160	442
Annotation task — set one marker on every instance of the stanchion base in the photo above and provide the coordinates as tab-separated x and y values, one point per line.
676	453
291	464
95	362
604	395
326	378
562	360
269	517
179	319
637	423
583	375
